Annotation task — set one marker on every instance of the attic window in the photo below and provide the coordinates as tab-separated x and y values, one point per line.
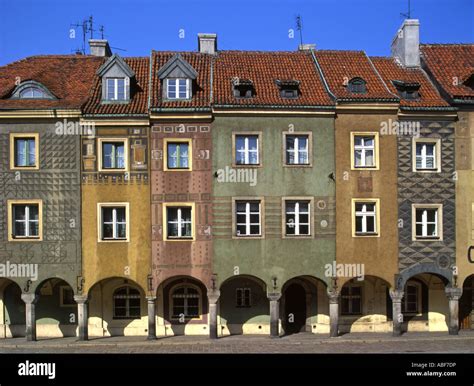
31	90
407	90
243	88
469	82
288	88
357	86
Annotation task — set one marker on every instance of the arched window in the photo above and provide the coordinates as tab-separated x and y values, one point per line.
185	302
411	302
32	93
357	86
126	303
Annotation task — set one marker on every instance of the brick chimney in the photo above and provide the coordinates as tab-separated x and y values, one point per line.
406	43
100	47
207	43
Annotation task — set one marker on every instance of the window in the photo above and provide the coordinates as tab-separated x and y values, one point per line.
113	219
426	155
127	301
24	151
243	88
365	217
242	297
357	86
297	149
113	154
246	149
178	154
248	218
289	89
427	221
407	90
365	149
179	223
297	218
32	93
351	299
412	298
185	302
178	88
26	221
116	89
66	297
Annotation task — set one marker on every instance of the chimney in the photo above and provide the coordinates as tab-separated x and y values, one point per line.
306	47
406	43
207	43
100	47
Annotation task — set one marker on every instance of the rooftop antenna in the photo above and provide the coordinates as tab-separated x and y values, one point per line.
87	26
299	27
101	30
408	14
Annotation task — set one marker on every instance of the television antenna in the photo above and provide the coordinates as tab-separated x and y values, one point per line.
408	14
299	27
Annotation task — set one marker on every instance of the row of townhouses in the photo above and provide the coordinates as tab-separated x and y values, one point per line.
232	192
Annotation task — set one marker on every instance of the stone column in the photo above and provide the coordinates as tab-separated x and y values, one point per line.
151	301
274	314
453	295
82	316
397	316
30	304
213	297
333	312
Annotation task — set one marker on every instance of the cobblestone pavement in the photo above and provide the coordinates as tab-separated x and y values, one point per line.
298	343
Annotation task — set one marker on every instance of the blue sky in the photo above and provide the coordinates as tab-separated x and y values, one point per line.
29	27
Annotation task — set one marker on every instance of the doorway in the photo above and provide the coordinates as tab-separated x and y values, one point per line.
295	309
466	304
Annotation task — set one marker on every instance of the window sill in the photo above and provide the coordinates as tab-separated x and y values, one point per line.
179	239
248	237
426	171
114	240
366	235
365	168
25	238
298	165
25	168
246	166
420	238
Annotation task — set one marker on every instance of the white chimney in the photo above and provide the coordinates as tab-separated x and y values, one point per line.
207	43
100	47
406	43
306	47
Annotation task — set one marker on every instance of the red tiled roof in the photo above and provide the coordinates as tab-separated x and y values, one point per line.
201	94
339	67
450	64
263	69
68	77
390	70
139	92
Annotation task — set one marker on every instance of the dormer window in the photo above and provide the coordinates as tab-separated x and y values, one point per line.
407	90
177	78
116	77
178	88
116	89
31	90
243	88
469	81
289	89
357	86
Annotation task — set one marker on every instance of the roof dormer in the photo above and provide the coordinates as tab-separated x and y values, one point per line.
289	88
31	89
357	85
116	78
177	77
407	90
243	88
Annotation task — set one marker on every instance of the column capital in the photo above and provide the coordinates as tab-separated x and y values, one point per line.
151	299
453	293
273	296
396	295
333	295
213	296
81	299
30	298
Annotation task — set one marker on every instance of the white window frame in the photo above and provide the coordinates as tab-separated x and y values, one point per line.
100	142
364	148
246	151
170	81
365	214
100	222
247	214
115	89
438	222
436	155
297	214
296	151
179	222
26	221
